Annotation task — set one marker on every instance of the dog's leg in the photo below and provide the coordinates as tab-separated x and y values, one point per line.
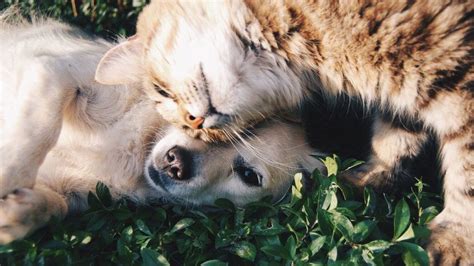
28	209
44	88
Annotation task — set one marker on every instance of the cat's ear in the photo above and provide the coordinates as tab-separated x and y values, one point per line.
121	64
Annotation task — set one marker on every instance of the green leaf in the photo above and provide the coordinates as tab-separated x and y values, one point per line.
332	254
408	234
342	224
324	221
414	254
142	227
103	193
224	238
362	230
298	181
123	250
421	231
152	258
181	224
378	246
245	250
96	223
214	263
334	200
370	199
93	201
296	189
401	218
225	204
290	246
317	244
331	165
6	249
127	233
428	214
268	228
276	251
346	212
122	214
350	163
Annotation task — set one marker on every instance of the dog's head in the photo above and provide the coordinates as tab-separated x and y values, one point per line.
189	171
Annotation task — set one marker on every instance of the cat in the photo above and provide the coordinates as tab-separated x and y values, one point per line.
222	66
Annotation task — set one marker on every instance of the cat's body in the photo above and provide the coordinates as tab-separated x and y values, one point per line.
220	66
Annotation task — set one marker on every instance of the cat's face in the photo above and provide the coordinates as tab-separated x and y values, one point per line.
209	72
189	171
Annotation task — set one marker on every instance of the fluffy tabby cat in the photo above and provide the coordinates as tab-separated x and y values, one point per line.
221	66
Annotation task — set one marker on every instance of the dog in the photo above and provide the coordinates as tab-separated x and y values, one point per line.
61	132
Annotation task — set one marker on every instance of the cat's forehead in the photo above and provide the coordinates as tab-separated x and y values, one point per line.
192	14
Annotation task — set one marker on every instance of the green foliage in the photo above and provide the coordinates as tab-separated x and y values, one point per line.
105	17
329	225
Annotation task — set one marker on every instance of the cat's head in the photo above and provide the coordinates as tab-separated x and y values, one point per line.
206	64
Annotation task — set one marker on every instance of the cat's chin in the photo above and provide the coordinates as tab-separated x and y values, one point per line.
227	134
208	134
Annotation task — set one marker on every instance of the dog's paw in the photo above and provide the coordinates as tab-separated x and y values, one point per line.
449	247
20	213
9	185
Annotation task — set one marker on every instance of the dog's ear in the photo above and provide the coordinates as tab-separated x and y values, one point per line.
121	64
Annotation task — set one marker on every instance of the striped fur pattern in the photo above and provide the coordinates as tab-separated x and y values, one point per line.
236	62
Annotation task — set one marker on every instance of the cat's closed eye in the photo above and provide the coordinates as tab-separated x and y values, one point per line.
163	92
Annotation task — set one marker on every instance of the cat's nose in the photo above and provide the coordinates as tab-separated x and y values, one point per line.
194	122
177	163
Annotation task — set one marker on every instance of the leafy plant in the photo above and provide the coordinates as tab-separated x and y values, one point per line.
104	17
328	225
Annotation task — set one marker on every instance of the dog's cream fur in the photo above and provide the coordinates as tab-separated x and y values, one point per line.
61	132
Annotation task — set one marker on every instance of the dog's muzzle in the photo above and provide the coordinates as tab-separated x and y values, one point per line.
174	168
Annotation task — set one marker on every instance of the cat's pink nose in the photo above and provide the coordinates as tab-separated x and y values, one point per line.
194	122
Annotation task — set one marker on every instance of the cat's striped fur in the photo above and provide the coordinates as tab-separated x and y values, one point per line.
234	62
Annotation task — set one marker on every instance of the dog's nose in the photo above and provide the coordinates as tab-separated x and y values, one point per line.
177	163
194	122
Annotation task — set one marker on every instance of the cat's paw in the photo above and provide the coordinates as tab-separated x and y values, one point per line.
449	247
382	178
372	175
20	213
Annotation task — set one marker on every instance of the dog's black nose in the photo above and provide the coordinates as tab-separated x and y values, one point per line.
177	163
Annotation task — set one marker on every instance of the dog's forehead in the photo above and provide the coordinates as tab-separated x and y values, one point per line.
274	144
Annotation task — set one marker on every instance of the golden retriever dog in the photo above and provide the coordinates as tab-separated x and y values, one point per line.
61	132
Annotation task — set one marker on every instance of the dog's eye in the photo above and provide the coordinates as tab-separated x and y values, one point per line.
162	92
249	176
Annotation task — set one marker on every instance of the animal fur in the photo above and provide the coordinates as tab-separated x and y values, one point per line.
232	63
61	132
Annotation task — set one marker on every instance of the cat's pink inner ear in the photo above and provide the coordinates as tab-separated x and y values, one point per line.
121	64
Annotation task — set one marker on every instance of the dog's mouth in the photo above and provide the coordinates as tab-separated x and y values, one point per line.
157	178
